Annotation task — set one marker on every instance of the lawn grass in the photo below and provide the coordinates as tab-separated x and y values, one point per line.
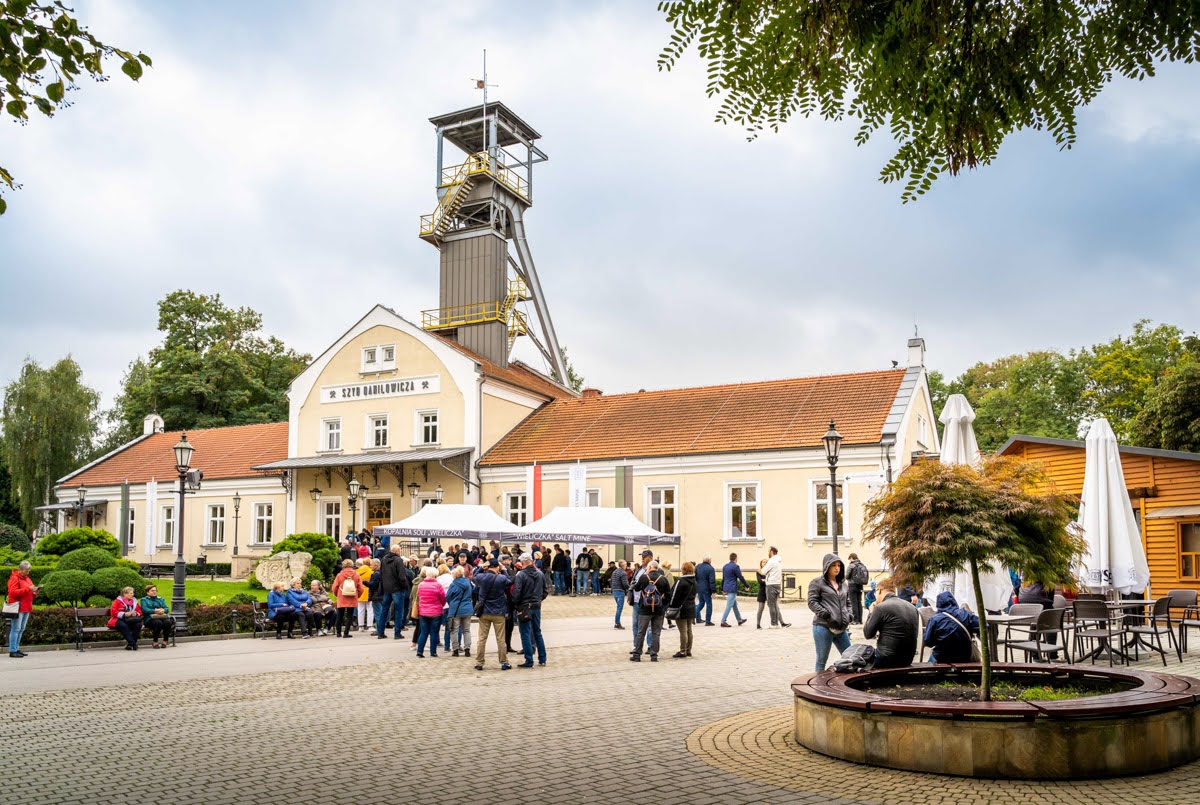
207	591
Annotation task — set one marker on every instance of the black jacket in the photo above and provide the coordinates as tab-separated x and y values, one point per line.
1035	593
896	622
392	576
560	564
857	576
529	588
684	596
659	581
762	587
830	607
493	592
706	578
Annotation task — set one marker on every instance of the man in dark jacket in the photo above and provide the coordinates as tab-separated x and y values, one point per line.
706	586
560	566
731	579
348	551
896	623
653	592
949	631
493	586
857	578
394	586
529	590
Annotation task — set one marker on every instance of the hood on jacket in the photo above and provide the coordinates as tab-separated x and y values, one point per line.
829	559
945	600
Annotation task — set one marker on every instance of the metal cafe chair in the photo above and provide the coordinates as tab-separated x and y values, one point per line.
1094	623
1186	600
1153	627
926	614
1048	624
1023	630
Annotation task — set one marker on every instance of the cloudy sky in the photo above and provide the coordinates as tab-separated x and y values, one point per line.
279	154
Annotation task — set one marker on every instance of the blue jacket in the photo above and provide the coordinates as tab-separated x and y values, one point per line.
706	579
458	599
948	641
731	574
298	597
493	591
275	601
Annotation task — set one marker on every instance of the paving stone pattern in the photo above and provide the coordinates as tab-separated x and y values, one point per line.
589	727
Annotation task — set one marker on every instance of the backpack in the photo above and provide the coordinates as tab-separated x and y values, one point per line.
652	597
349	587
859	657
859	574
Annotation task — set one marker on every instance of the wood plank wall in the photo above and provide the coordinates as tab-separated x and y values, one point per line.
1177	482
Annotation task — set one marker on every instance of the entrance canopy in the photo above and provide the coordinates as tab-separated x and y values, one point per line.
599	526
449	521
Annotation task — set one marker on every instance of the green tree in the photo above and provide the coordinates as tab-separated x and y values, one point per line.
75	538
9	513
939	518
49	420
949	81
213	368
575	380
43	51
938	392
1170	418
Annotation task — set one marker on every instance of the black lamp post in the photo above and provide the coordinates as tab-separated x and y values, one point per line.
833	445
355	486
183	461
82	501
237	506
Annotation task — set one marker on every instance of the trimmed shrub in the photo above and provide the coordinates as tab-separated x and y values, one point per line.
313	574
98	601
111	580
239	599
210	569
65	541
37	573
323	548
14	537
132	565
67	586
89	559
192	603
253	583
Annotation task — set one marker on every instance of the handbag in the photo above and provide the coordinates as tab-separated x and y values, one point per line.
132	620
976	654
160	616
525	612
12	609
673	613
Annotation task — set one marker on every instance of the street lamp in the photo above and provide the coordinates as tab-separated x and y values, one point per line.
414	489
354	487
183	460
833	445
315	494
81	503
237	506
438	492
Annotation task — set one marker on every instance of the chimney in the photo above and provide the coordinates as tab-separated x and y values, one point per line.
588	393
153	423
916	352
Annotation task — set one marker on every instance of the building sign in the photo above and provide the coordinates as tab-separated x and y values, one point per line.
378	389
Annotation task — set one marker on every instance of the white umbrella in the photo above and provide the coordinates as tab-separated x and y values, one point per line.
1115	557
959	447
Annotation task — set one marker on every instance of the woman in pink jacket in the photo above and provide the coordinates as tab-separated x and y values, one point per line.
347	598
431	599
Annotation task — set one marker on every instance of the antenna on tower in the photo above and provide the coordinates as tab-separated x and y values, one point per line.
482	83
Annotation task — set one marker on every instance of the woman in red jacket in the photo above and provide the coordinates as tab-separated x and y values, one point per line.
431	600
21	591
347	599
125	615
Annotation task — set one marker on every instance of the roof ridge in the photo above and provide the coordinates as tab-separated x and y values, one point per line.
745	383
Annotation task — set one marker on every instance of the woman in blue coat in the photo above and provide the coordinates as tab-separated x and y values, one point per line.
460	606
280	610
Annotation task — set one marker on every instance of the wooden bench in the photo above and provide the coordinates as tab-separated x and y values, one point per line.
262	620
82	631
151	570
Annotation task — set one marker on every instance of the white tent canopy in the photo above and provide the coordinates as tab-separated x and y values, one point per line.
595	525
449	521
1115	556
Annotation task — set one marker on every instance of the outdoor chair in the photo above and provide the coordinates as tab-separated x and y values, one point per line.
1094	623
1153	627
1090	597
1048	625
926	614
1190	619
1024	630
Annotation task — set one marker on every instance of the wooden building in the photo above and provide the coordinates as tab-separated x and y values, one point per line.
1164	488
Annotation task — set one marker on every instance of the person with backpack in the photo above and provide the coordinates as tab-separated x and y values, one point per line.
583	570
949	632
857	577
348	586
653	591
830	608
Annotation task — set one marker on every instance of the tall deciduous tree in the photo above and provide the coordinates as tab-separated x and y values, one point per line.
43	51
9	512
49	420
949	80
1170	418
939	518
213	368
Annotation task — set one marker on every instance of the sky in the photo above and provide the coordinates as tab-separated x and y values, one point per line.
280	155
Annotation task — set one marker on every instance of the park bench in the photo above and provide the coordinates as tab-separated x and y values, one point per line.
262	620
82	630
154	570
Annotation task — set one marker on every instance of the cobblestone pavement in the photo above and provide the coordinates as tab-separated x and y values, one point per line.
370	723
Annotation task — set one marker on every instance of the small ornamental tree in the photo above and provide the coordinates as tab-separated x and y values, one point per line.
67	587
74	538
939	518
89	559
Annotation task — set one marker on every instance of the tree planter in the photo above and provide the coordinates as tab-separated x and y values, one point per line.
1151	726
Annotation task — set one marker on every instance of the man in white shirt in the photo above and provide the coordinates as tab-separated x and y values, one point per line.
773	574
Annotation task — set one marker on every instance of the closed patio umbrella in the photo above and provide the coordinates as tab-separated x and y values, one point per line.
1115	558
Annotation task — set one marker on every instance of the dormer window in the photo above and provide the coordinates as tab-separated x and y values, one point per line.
379	358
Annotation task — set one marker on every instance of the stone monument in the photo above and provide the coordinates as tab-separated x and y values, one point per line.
283	566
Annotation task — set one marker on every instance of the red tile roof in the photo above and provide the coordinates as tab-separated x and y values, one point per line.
771	415
517	374
220	453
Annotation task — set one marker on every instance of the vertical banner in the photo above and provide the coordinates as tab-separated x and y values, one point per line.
533	493
577	486
124	537
151	515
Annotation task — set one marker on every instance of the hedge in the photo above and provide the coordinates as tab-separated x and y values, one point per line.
210	569
57	625
67	586
37	573
89	559
111	580
324	549
73	538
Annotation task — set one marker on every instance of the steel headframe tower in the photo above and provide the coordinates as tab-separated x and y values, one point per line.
481	207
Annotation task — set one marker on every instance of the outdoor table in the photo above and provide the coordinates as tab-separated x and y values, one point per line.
993	627
1132	603
1104	646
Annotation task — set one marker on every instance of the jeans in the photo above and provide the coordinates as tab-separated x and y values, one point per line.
650	625
531	634
393	604
773	591
491	623
429	629
823	638
560	582
596	582
445	627
131	633
619	597
731	603
16	630
704	608
581	581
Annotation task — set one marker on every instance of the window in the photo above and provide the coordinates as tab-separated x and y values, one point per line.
369	361
379	358
331	516
593	499
922	431
331	434
168	526
214	527
377	431
427	427
661	507
389	355
264	523
129	529
822	516
1189	550
516	510
741	512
